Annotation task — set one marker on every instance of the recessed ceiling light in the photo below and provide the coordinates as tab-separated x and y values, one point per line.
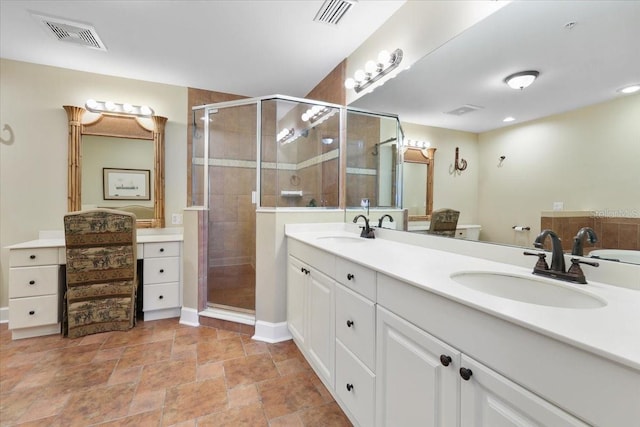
508	119
630	89
522	79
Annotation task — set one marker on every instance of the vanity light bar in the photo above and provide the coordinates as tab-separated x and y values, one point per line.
417	144
110	107
374	70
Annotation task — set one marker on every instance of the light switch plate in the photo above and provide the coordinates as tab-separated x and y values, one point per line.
176	219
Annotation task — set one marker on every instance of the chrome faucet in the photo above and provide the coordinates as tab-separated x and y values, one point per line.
382	219
367	232
578	241
557	269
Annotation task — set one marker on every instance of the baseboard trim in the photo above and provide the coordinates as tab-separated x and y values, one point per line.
4	314
271	332
230	316
189	317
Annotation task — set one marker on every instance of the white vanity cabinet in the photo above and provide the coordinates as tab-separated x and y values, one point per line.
161	280
33	292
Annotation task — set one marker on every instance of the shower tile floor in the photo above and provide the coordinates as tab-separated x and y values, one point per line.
160	373
232	286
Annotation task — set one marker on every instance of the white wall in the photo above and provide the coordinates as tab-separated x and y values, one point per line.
33	167
589	159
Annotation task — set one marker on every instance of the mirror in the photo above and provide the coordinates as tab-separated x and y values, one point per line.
133	181
417	182
573	146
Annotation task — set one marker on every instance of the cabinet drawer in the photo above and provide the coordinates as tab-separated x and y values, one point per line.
161	296
161	270
355	386
33	311
161	249
355	325
356	277
30	257
33	281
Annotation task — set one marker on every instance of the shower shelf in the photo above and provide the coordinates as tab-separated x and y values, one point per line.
291	193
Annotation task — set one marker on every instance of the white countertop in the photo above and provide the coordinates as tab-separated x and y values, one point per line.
55	239
612	331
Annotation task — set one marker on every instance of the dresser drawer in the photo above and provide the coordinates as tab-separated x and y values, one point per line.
161	270
355	325
161	249
161	296
33	281
355	386
31	257
356	277
33	311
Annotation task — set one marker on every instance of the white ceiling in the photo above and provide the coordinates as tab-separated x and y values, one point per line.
250	48
578	67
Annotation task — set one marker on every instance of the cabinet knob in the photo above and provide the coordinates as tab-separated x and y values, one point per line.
465	373
32	282
161	249
32	257
31	313
161	270
350	276
445	360
349	387
160	297
349	323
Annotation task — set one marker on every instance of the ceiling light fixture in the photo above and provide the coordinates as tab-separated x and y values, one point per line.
508	119
522	79
374	71
630	89
111	107
284	135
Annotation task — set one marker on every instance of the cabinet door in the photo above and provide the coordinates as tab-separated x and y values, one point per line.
320	337
413	385
489	399
296	298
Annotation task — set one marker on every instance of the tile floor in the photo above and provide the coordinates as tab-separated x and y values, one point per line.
160	373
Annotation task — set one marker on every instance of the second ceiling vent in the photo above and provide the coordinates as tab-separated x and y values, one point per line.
71	32
332	11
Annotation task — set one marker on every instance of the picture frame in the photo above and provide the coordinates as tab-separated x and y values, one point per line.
126	184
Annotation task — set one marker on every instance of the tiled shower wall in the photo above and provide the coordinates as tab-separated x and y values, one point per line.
612	232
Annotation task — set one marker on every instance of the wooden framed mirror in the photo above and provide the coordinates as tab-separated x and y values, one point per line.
124	128
422	177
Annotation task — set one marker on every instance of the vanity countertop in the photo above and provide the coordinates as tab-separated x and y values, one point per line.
55	239
612	331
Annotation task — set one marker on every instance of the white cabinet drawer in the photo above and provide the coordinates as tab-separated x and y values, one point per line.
355	386
355	325
33	281
356	277
157	297
31	257
33	311
161	270
161	249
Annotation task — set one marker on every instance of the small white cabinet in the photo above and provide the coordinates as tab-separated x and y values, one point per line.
33	292
161	280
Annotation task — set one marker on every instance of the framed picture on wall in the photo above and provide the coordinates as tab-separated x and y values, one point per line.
125	184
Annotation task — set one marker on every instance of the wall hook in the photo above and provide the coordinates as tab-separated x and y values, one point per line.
500	160
461	164
8	129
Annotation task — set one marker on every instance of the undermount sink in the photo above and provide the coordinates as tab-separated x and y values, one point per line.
341	238
531	290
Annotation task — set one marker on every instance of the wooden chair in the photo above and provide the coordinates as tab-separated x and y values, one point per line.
101	272
444	222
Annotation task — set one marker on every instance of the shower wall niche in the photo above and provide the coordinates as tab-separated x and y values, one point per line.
280	153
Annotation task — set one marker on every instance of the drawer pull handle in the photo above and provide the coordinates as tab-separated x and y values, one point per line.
160	297
32	256
465	373
162	270
31	313
305	271
350	276
349	323
445	360
349	387
32	282
161	249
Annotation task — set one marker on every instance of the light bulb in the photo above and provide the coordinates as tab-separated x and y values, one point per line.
371	67
305	117
359	76
127	107
384	57
146	110
91	104
111	106
350	83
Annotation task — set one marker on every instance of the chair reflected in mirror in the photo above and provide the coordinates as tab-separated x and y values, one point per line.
444	222
101	272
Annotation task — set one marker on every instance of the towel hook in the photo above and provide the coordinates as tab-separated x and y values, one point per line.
461	164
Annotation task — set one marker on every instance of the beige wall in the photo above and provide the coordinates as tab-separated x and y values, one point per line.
589	159
33	167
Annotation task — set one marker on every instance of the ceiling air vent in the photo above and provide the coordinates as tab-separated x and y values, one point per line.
71	32
332	11
467	108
